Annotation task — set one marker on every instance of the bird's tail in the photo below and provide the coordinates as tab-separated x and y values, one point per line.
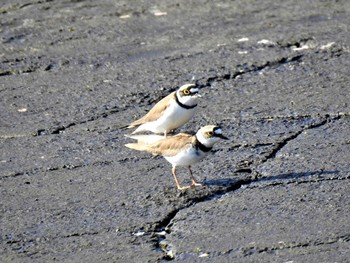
130	126
146	138
140	127
137	146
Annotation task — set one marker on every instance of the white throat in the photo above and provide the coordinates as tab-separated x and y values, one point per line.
187	100
208	142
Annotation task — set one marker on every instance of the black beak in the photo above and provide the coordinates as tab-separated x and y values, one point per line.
200	87
221	136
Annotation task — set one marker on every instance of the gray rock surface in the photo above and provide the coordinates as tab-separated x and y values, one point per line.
276	77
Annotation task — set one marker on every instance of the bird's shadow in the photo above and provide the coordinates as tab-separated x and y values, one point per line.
227	182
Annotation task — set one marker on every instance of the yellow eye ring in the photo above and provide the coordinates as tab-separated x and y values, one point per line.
210	133
186	92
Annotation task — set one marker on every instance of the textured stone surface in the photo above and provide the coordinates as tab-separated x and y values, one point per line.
276	77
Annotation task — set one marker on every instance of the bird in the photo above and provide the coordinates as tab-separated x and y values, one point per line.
181	149
170	113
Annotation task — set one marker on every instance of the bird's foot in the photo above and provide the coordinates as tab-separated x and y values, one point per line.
183	187
194	184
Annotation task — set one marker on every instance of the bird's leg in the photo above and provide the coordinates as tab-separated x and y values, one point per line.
177	181
166	133
194	183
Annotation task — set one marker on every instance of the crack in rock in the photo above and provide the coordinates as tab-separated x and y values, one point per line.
282	245
280	145
244	69
293	179
144	101
56	168
81	234
22	243
166	223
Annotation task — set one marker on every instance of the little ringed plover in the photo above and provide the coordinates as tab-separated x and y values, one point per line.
182	149
171	112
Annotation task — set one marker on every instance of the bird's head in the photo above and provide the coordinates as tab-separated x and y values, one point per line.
188	94
209	135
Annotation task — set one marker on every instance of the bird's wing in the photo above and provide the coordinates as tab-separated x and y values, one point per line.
171	145
155	112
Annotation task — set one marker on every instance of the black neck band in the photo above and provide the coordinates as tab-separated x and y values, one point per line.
183	105
201	146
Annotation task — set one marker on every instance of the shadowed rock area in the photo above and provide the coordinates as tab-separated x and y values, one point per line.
275	77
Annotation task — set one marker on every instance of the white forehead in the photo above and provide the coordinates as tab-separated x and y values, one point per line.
194	89
186	86
218	131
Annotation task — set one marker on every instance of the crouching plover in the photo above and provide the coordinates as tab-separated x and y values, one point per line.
171	112
183	149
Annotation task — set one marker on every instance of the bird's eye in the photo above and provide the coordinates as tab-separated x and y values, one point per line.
186	92
210	133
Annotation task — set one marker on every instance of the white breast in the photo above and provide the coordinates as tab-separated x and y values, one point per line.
174	117
186	157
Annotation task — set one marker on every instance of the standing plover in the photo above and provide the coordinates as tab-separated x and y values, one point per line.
183	149
171	112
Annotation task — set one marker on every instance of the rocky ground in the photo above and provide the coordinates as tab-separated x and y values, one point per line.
276	77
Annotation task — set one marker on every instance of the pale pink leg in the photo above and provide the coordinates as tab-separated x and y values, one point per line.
177	181
194	183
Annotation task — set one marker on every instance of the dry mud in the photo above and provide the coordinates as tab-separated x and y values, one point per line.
276	77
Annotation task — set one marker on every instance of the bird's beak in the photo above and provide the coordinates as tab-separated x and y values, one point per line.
221	136
195	92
